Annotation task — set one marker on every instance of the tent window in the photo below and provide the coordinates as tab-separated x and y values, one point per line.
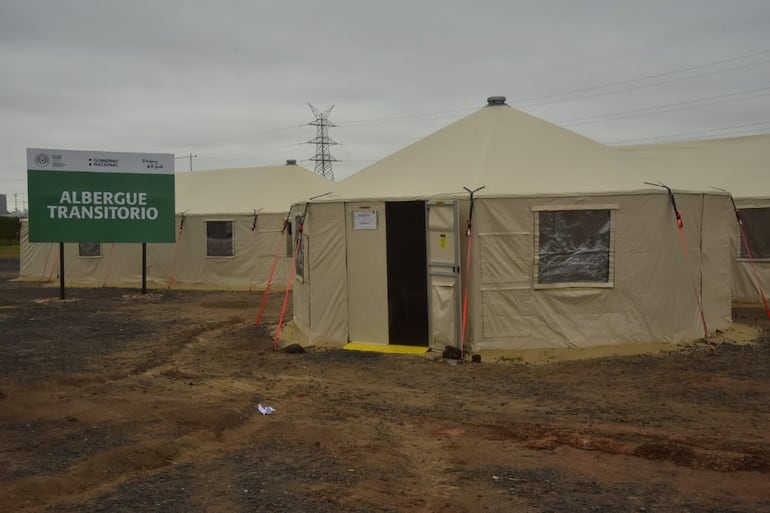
299	266
293	235
219	238
289	240
573	248
89	249
756	226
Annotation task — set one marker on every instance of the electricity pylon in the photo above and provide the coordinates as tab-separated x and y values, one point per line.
323	158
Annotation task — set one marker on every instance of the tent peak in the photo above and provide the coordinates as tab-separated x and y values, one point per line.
496	100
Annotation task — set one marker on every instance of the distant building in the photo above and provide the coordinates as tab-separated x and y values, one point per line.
3	205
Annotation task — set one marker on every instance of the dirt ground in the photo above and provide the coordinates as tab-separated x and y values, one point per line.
111	401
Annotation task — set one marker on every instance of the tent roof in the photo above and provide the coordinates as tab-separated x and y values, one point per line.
243	190
505	150
740	165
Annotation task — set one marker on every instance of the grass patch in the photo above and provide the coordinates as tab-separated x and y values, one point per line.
9	250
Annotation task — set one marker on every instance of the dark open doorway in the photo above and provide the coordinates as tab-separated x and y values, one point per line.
407	273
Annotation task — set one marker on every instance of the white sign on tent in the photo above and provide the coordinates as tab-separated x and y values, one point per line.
365	220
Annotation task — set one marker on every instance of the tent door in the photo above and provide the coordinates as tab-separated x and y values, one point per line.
443	258
407	274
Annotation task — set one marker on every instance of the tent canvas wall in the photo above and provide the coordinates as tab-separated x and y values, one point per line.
231	224
570	248
740	165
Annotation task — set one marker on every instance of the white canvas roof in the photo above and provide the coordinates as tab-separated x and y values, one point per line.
243	190
505	150
740	165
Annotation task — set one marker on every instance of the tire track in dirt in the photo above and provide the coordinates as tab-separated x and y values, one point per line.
720	456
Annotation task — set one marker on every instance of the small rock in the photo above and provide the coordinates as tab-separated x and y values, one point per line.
294	349
452	352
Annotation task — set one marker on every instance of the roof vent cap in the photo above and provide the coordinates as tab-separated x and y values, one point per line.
496	100
291	162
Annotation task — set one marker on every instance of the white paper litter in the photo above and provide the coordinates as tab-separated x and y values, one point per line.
265	410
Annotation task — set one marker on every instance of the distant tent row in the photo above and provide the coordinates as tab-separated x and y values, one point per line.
563	246
229	228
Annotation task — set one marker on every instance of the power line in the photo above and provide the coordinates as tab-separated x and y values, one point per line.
535	101
407	117
355	122
669	107
572	95
713	131
644	86
267	134
190	156
245	156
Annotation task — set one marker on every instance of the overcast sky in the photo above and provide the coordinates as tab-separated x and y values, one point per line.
230	80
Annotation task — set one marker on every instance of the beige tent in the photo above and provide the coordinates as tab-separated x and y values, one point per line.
229	228
740	165
569	248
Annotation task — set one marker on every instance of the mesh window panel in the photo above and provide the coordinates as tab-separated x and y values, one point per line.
90	249
219	238
756	226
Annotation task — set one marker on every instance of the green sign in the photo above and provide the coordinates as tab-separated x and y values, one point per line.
91	196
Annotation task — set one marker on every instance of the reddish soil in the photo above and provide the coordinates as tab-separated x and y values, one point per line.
111	401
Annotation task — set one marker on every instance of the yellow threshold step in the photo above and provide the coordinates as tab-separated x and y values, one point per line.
385	348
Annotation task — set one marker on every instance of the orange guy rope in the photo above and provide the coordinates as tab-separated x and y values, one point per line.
688	261
272	273
300	228
288	286
751	265
745	239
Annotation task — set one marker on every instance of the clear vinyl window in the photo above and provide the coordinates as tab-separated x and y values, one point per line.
219	238
90	250
573	248
300	265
